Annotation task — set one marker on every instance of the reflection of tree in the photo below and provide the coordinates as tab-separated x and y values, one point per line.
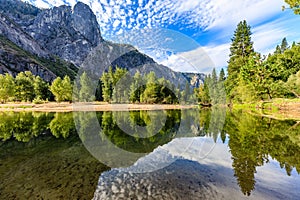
6	125
133	142
23	125
62	125
212	121
253	139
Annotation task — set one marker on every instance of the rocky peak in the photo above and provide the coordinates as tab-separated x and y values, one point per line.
83	15
15	34
69	35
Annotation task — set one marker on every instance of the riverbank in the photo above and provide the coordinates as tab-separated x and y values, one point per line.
278	108
94	106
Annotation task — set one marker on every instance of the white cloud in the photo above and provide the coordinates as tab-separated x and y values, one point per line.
41	4
219	54
211	15
116	23
229	13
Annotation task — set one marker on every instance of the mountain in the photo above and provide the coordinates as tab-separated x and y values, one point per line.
66	35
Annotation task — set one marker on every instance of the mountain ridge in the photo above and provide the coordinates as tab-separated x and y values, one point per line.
71	34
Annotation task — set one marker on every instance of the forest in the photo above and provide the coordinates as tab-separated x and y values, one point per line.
148	88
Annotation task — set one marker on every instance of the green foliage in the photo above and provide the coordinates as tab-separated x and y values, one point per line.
7	86
293	84
41	88
151	93
294	5
86	92
62	89
252	77
136	88
119	87
62	125
212	91
258	74
106	80
24	86
121	81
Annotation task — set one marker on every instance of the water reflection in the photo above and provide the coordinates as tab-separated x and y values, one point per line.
251	141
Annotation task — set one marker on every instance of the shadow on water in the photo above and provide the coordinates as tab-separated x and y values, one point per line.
42	156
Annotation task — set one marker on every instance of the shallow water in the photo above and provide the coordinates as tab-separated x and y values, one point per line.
175	154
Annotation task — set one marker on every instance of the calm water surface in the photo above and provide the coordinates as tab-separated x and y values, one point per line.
188	154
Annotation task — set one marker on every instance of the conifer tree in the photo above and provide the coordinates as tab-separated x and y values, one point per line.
240	50
86	92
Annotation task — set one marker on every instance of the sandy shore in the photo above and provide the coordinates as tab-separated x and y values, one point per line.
95	106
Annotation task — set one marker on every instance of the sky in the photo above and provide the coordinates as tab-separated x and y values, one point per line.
190	35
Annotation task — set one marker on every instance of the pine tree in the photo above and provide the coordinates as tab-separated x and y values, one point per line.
278	50
213	87
106	87
284	45
41	89
86	92
222	75
120	83
151	92
240	50
136	87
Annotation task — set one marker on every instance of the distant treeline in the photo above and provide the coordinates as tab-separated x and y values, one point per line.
114	86
118	86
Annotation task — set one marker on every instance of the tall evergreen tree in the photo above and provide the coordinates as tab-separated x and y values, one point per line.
86	92
136	88
222	75
284	45
150	94
240	50
41	88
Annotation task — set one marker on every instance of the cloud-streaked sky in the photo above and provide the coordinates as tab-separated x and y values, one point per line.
210	23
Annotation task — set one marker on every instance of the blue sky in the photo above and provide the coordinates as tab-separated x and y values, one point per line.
178	32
